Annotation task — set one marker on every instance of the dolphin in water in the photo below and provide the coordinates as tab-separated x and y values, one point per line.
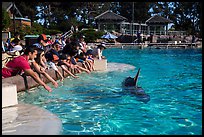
130	85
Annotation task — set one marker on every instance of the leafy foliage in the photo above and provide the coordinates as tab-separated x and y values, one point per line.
185	15
90	35
61	15
5	19
36	29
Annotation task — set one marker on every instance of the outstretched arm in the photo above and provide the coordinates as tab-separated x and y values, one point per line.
66	70
62	78
34	75
41	70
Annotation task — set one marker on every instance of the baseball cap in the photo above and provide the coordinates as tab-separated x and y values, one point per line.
43	37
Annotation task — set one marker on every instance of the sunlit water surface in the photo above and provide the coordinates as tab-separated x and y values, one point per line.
95	104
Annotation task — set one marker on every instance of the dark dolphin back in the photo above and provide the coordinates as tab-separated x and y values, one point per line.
129	82
130	85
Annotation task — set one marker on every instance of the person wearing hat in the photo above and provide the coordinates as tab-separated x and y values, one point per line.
9	55
14	41
82	43
41	42
97	52
16	50
52	58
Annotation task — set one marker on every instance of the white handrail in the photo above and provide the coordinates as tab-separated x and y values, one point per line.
67	34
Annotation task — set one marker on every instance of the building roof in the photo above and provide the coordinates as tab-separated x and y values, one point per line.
109	15
158	19
8	5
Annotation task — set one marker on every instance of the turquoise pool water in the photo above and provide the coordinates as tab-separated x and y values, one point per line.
95	104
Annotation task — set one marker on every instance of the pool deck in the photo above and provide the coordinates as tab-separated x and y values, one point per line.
25	119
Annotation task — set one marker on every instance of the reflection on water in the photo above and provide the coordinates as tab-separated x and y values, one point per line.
119	67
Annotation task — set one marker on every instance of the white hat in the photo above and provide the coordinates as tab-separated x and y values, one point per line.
17	48
102	45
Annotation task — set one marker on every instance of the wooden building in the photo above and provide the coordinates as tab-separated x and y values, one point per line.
158	25
133	28
18	18
109	21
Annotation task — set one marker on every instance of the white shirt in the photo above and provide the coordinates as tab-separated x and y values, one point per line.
97	53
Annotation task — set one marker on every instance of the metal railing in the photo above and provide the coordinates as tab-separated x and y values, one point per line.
67	34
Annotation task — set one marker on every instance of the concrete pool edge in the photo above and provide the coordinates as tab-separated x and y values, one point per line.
26	119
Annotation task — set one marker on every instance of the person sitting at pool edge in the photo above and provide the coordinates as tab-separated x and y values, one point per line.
97	52
21	64
37	67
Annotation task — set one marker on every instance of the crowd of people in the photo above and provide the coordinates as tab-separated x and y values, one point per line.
36	59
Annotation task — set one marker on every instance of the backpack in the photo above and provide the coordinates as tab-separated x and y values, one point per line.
6	58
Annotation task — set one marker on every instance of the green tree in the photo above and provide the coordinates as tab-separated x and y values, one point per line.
61	15
90	35
187	16
165	9
140	11
5	20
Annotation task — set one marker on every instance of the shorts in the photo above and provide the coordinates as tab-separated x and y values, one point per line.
52	65
73	61
80	60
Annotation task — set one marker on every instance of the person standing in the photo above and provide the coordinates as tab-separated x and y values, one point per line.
72	28
193	39
76	29
139	38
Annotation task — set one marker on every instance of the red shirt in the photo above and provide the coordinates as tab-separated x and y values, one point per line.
16	66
